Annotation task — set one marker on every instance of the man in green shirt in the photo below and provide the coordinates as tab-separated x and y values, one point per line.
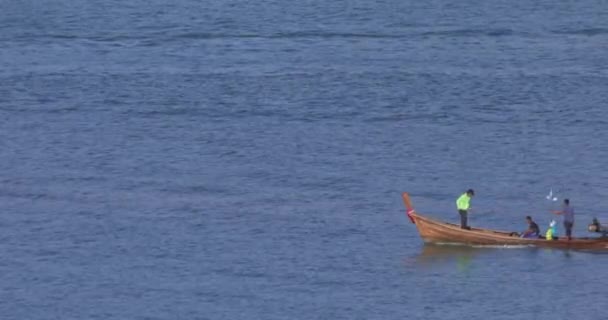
463	205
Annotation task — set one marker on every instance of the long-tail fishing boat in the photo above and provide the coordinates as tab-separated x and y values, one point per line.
439	232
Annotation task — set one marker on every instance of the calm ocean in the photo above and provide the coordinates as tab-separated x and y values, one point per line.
244	160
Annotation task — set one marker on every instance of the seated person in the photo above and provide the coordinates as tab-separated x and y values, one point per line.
533	231
595	226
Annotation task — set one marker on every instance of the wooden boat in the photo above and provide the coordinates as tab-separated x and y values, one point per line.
435	231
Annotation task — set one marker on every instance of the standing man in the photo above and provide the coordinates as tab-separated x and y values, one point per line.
463	205
568	213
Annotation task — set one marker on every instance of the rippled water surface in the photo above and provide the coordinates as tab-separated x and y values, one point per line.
244	160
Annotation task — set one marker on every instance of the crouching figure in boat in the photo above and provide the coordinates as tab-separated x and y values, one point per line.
533	231
596	226
551	233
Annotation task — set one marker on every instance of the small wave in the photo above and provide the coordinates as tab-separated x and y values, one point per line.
199	189
470	33
504	246
288	35
59	110
25	195
62	36
411	117
348	35
152	39
329	183
240	273
96	38
584	32
167	112
203	36
328	35
484	246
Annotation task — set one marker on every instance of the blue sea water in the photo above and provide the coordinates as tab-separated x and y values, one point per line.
244	160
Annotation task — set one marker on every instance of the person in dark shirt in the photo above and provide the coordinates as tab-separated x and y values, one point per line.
568	213
533	231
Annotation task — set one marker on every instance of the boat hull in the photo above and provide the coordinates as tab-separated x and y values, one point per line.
432	231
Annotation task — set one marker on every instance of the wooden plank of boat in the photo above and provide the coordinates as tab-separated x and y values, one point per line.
435	231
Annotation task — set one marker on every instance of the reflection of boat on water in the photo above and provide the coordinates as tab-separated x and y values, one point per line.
435	252
439	251
435	231
461	256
